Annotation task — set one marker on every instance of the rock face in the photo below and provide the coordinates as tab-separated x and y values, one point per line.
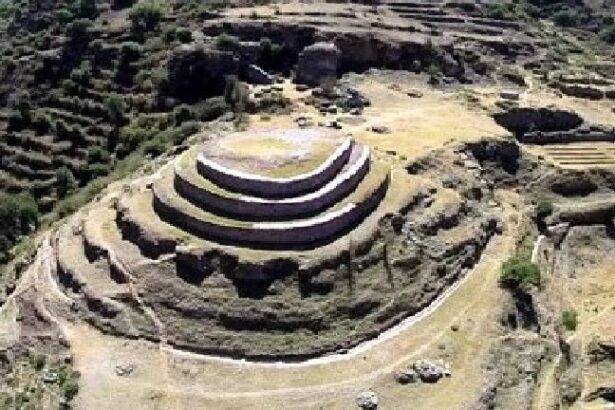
317	63
520	120
196	72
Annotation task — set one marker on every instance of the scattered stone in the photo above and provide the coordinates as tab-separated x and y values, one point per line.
367	400
380	129
509	95
50	376
414	93
124	370
334	124
406	376
431	372
301	87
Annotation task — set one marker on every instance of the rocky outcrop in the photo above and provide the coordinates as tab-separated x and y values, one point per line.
520	120
581	91
587	213
196	72
317	63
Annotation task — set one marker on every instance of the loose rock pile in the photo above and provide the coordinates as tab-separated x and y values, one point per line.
424	370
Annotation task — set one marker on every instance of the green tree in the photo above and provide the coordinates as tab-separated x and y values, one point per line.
519	272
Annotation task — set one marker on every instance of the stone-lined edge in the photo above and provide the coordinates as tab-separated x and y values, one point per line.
262	208
262	186
274	235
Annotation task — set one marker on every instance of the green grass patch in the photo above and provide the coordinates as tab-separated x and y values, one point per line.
570	319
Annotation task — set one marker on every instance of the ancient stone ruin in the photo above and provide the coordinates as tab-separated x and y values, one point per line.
216	196
251	239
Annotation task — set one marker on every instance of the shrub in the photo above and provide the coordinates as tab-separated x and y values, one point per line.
131	136
116	108
170	34
179	135
97	154
607	34
145	16
81	75
182	113
129	52
38	361
20	216
87	9
211	108
79	30
544	208
41	123
184	35
65	182
227	42
155	147
566	18
64	16
570	319
519	272
235	93
121	4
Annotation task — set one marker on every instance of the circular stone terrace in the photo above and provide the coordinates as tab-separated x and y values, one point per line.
275	188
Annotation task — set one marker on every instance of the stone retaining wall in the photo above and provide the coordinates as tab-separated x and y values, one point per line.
578	135
258	208
262	186
273	235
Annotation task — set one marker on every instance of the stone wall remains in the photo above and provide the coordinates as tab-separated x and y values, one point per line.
279	235
271	209
261	186
577	135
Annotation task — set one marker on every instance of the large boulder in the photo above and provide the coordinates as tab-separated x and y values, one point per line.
196	72
317	63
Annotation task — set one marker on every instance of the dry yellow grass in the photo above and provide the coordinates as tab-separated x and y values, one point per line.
417	125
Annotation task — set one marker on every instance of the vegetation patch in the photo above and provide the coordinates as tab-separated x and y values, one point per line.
519	272
570	319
